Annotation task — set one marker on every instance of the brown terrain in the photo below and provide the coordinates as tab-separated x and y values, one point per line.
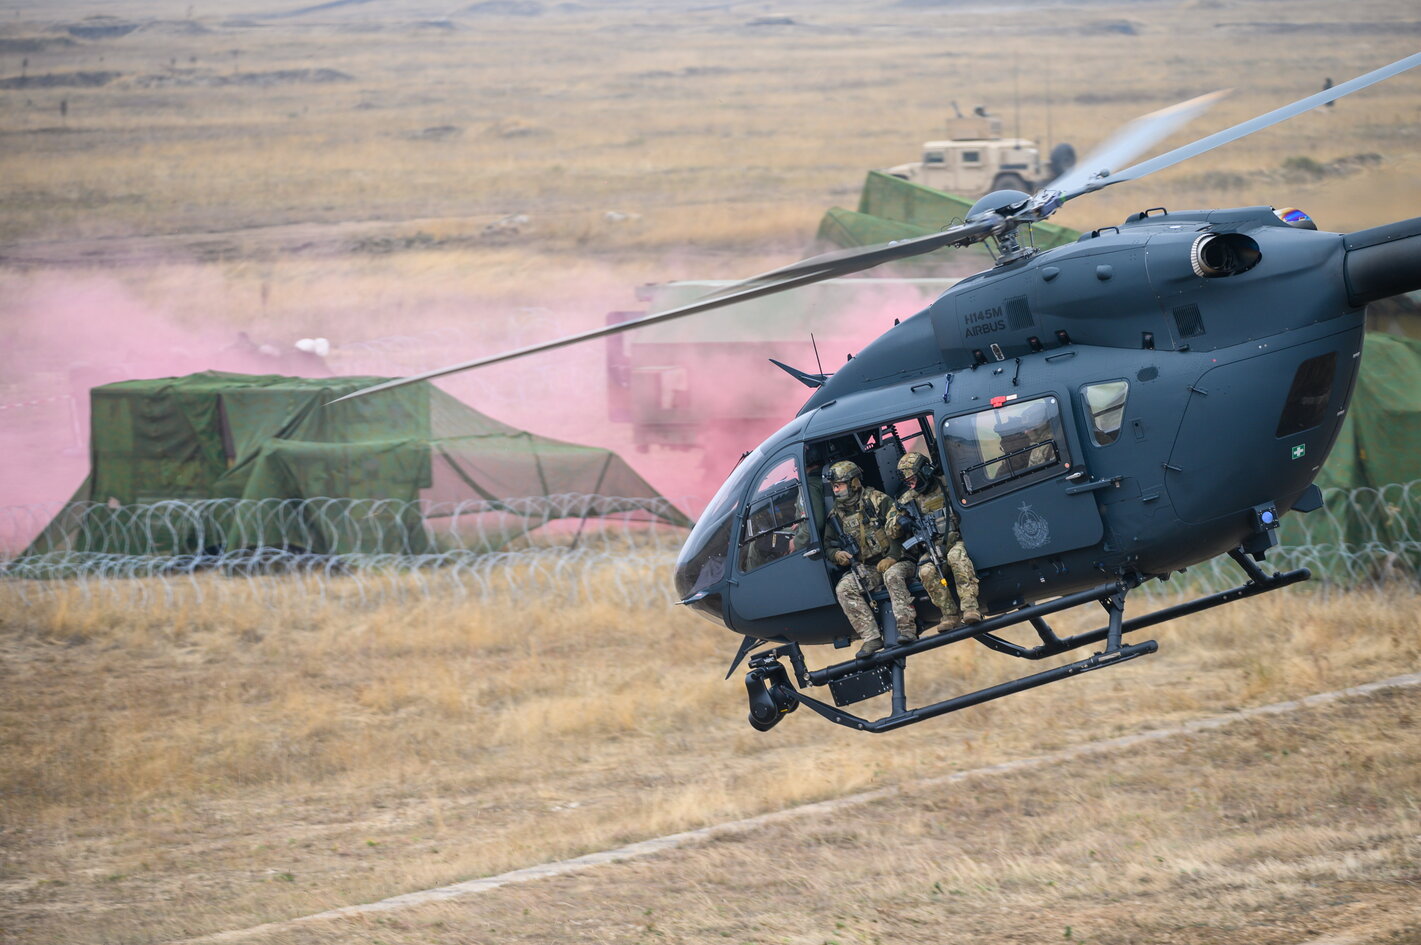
485	172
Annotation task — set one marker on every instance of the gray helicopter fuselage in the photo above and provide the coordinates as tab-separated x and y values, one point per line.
1234	337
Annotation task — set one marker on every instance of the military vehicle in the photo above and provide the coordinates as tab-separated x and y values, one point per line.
975	159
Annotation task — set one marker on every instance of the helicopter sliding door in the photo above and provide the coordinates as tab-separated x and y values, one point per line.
779	589
1012	471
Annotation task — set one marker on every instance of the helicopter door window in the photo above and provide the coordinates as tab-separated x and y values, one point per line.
775	517
1105	408
1007	446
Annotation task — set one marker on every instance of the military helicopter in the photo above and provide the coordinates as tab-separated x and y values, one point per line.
1104	414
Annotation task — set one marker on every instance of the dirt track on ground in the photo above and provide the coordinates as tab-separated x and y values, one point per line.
1382	917
1131	854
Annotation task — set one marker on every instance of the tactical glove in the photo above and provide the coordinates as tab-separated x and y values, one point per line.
885	563
842	558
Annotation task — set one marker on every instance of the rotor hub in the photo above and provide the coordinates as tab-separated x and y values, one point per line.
1000	202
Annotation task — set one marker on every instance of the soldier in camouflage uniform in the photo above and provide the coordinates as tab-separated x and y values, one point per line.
859	519
928	491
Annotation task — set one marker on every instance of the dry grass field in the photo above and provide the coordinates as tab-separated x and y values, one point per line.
172	171
171	772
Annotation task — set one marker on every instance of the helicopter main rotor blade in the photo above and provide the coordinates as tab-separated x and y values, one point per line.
817	269
1132	140
841	262
1170	158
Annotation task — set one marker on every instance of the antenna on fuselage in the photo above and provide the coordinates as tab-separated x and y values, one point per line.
817	363
1046	68
1016	96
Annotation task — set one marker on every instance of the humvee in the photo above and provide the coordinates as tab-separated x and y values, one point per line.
975	159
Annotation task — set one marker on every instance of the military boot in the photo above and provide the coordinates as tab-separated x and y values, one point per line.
870	646
970	611
950	621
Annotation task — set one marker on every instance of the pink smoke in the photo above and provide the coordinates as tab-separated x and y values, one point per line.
64	334
565	393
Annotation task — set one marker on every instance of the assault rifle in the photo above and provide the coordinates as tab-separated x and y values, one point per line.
925	535
850	545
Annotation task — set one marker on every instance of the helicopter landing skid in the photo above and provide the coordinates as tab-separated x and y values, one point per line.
773	695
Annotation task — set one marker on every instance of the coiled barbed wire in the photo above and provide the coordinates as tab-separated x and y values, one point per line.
563	548
218	527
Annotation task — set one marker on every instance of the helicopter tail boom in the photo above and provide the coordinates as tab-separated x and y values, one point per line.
1383	261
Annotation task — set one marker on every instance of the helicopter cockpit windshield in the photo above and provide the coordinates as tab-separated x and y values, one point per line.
703	559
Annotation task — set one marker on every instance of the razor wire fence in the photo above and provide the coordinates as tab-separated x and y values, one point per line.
1334	567
281	580
352	551
1367	537
561	548
209	532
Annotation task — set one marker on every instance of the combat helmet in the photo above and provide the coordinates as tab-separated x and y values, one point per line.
916	465
844	471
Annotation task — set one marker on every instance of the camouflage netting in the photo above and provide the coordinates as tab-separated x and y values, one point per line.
404	454
894	209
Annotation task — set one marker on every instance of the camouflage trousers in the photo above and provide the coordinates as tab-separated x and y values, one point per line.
964	575
855	600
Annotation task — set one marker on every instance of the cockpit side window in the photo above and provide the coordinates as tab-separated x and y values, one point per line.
1105	409
705	557
1004	447
775	522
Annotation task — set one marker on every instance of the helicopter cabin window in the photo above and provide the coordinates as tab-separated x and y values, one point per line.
1105	409
1309	396
1003	447
933	157
774	520
972	158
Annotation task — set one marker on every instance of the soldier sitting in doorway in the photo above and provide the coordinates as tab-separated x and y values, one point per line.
857	533
928	492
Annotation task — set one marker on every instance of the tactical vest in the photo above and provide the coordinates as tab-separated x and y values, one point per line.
934	505
860	522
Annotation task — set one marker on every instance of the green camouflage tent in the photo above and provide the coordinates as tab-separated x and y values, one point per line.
1378	450
891	208
279	442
